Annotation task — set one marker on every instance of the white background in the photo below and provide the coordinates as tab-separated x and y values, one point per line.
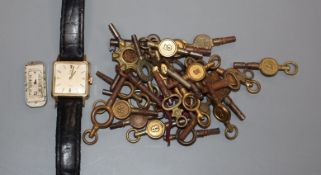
282	132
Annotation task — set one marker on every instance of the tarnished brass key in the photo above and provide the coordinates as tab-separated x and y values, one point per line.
230	80
215	96
114	31
179	123
171	100
110	81
190	126
141	99
126	55
205	106
151	95
223	114
222	95
121	110
196	71
135	120
172	104
269	66
205	41
189	47
163	83
155	129
230	103
168	48
192	104
252	86
143	67
92	133
195	134
179	78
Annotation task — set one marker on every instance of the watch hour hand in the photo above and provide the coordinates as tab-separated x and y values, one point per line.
72	74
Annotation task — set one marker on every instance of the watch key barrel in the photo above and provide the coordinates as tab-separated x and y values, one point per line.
223	40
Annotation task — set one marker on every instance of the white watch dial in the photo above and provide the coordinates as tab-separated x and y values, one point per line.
35	84
70	78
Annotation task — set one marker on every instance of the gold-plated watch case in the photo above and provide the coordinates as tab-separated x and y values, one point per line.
85	78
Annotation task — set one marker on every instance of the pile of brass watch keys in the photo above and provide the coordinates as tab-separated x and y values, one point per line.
168	88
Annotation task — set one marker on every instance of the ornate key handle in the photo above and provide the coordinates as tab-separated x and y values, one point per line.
129	56
136	121
269	66
197	71
98	111
246	78
214	62
291	71
229	80
188	129
171	102
155	129
195	134
191	103
139	84
223	114
99	102
168	48
121	110
125	55
185	142
92	133
253	86
205	41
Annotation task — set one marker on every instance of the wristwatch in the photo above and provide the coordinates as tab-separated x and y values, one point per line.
70	87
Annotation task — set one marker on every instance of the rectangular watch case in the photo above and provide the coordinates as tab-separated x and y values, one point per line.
87	80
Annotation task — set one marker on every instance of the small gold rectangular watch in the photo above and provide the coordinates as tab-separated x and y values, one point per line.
35	84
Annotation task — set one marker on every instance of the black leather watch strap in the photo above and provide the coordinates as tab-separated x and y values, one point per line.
69	112
69	109
72	30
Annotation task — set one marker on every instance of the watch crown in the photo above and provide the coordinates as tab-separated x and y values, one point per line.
90	80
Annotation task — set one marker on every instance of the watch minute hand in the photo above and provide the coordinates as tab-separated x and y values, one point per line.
72	74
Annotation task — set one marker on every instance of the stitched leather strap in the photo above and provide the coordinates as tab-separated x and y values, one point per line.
72	30
69	110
